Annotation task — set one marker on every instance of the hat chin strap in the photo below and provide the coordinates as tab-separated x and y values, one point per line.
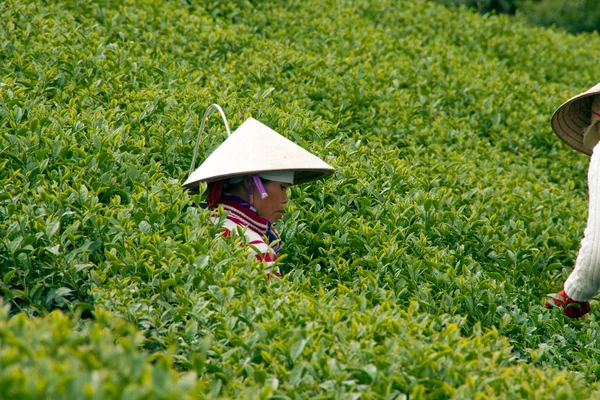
259	186
591	136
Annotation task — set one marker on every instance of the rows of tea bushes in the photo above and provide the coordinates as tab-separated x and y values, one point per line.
419	270
574	16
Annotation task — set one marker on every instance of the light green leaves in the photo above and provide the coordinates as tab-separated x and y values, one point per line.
297	349
453	207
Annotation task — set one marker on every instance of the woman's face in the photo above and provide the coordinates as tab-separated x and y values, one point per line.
272	206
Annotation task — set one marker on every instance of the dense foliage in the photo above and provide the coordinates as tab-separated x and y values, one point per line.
575	16
500	6
418	270
572	15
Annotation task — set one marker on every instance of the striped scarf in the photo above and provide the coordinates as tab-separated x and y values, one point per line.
243	213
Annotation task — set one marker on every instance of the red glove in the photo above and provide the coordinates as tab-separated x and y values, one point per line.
573	309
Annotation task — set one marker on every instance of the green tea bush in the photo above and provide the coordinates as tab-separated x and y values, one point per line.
502	6
418	270
57	357
575	16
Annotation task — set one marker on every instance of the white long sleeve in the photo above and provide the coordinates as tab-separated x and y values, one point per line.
584	281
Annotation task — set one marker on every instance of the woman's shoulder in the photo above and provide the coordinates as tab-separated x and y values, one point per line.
231	227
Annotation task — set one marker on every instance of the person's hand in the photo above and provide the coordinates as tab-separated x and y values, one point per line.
572	308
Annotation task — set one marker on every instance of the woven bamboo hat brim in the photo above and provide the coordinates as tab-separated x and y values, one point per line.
571	120
254	148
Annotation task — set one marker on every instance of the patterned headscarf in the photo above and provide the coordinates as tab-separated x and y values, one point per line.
215	189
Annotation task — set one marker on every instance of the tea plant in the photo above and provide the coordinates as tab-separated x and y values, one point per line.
418	270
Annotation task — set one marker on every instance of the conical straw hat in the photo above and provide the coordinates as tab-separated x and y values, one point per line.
255	148
571	120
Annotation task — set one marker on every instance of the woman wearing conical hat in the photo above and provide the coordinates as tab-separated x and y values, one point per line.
249	175
576	123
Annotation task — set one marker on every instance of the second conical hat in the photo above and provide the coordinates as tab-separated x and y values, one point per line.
571	120
255	148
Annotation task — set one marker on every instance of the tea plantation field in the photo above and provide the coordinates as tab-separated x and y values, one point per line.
419	270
